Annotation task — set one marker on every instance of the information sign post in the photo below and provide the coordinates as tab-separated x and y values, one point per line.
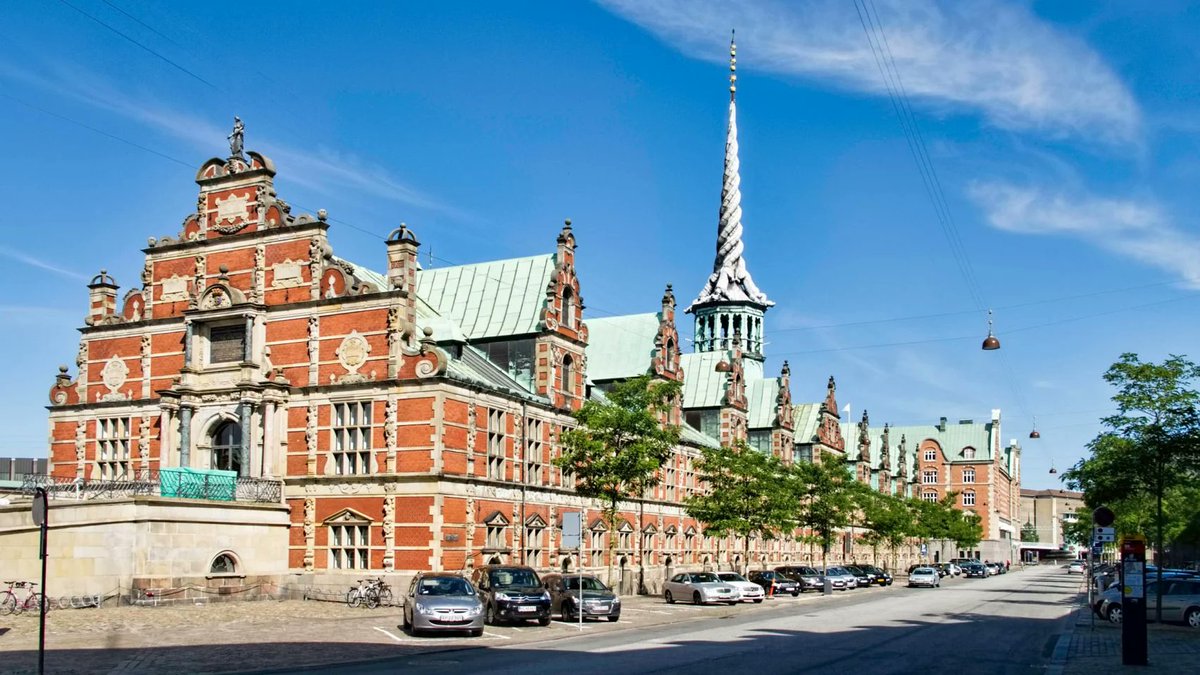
41	504
1133	602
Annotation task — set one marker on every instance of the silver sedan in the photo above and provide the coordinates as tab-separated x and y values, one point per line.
441	602
700	588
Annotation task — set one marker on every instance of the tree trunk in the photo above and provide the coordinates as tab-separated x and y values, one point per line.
640	549
1158	550
611	517
745	556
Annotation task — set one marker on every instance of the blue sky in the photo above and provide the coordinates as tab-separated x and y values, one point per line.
1064	136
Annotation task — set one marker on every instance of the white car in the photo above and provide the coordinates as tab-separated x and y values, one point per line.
924	576
748	590
1075	567
700	588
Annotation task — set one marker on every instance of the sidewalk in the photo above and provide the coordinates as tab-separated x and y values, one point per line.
1087	649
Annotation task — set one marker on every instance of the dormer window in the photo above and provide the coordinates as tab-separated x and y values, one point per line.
568	308
968	453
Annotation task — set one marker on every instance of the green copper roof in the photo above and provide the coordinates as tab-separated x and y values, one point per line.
493	299
806	417
703	386
761	395
620	347
956	438
688	434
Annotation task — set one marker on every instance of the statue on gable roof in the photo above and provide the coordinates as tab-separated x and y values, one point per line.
236	137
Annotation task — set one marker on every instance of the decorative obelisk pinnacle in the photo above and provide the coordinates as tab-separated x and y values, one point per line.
730	281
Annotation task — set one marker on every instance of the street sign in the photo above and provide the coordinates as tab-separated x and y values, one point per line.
39	508
571	529
1103	517
1097	550
1104	534
924	549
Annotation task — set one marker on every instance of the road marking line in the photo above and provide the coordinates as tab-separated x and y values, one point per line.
387	633
519	630
497	635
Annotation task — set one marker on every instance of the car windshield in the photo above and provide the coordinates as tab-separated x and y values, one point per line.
704	577
589	584
837	571
513	578
444	586
731	576
924	570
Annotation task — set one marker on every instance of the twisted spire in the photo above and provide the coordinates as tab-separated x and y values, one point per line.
730	280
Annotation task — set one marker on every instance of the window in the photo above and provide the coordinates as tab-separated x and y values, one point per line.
226	344
534	534
929	496
112	440
568	308
670	537
969	498
802	454
495	444
760	440
223	564
931	455
352	438
689	546
496	541
929	477
596	544
968	453
533	452
349	547
707	422
968	475
625	540
513	356
672	489
647	543
227	447
567	373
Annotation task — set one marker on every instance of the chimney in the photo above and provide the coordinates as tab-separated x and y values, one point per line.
102	297
942	424
402	247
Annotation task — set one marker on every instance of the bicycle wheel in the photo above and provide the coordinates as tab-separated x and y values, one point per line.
385	597
353	598
35	601
372	598
8	604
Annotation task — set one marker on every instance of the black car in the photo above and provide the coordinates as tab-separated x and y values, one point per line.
881	578
807	577
864	577
599	602
976	570
512	593
769	579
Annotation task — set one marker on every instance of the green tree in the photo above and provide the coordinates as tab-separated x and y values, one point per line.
823	495
620	445
1029	533
889	520
746	495
1151	446
966	529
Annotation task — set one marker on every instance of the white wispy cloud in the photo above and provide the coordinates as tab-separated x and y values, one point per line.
317	168
22	257
991	57
1138	229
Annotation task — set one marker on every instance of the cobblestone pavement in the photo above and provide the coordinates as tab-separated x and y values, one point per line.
265	635
1095	648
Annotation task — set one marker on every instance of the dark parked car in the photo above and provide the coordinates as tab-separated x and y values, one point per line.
882	578
599	602
976	570
512	593
807	577
863	577
782	584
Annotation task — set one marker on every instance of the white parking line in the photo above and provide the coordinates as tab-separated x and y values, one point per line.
497	635
391	635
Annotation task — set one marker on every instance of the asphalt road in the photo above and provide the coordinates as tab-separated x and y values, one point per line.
1003	624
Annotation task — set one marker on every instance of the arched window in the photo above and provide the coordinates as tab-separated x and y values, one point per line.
223	564
227	447
568	308
567	373
968	453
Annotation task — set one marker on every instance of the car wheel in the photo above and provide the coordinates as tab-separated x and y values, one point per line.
475	632
491	618
544	621
1115	614
696	598
1192	617
568	613
404	622
732	603
614	619
758	600
669	598
797	593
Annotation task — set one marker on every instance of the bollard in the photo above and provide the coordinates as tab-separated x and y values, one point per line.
828	585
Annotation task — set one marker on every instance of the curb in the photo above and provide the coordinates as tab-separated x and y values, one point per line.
1058	659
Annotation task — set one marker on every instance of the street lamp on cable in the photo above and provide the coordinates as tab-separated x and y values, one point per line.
1035	433
990	342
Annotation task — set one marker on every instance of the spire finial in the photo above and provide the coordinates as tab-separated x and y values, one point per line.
732	64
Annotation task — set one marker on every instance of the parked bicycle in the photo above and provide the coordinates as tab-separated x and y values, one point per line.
11	604
370	592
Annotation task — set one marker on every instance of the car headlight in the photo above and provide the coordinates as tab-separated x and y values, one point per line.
546	596
423	609
616	600
501	596
475	611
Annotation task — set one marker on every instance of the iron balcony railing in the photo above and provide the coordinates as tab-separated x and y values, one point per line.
154	483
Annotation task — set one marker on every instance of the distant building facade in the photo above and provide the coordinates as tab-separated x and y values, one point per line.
1045	512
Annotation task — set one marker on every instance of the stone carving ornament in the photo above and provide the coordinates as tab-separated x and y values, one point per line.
353	351
310	532
114	375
